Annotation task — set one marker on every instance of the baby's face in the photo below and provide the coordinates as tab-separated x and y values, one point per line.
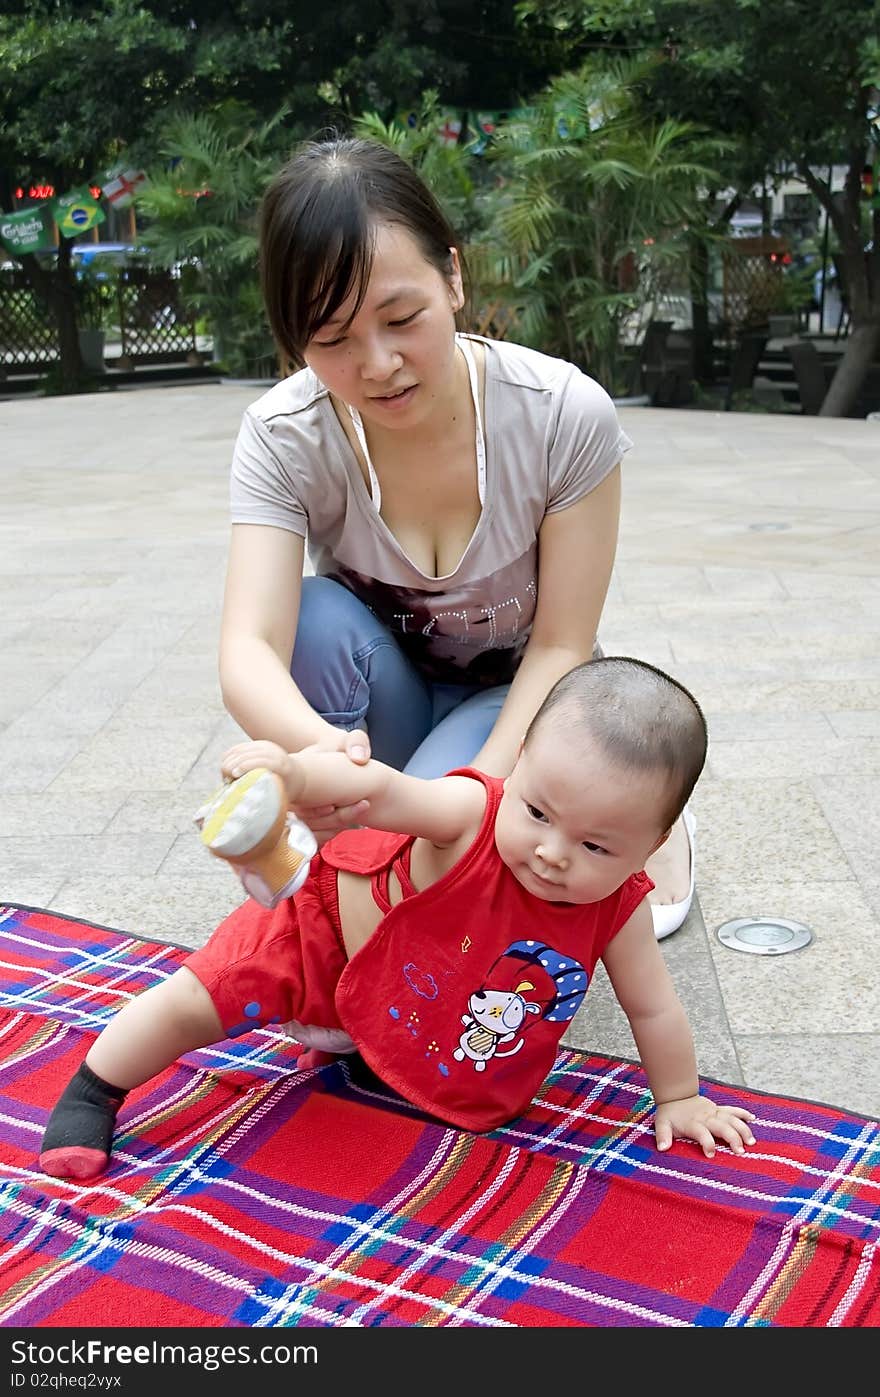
571	825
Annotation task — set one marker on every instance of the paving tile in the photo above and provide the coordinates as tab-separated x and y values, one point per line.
157	758
831	986
782	820
157	812
731	691
20	890
21	688
33	766
157	908
72	854
835	1069
851	723
792	757
733	727
41	815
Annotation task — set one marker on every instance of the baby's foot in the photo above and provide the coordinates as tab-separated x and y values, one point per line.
76	1144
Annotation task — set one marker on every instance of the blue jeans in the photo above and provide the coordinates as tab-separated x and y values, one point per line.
354	674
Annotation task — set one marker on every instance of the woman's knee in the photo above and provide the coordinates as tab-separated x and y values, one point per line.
352	671
334	627
458	737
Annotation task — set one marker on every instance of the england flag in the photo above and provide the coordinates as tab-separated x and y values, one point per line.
121	187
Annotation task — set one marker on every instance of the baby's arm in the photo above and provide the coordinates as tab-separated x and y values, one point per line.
441	810
644	988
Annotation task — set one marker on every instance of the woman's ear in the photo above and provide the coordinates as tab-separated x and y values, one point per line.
454	280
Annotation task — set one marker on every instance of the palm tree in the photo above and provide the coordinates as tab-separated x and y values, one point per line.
202	206
594	216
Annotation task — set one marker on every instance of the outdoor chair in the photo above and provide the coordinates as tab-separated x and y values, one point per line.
744	361
745	356
650	364
812	374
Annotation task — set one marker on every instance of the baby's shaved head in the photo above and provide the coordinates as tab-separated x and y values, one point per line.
639	717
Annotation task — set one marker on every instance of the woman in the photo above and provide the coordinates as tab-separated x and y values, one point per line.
460	497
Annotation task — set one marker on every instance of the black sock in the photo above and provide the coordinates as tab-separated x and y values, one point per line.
77	1139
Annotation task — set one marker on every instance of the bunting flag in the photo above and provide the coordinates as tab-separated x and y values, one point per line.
76	212
450	129
120	186
569	126
482	126
31	230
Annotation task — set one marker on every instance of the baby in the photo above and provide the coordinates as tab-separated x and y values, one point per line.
453	949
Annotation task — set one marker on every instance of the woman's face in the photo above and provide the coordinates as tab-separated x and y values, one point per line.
395	362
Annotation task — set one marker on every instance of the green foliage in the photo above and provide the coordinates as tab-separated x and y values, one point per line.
456	178
464	186
202	206
595	212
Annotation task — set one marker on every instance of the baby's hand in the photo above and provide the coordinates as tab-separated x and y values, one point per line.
697	1118
246	756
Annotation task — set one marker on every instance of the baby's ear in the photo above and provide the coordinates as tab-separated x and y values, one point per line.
660	842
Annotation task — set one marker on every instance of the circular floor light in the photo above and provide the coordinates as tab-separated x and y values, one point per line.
764	936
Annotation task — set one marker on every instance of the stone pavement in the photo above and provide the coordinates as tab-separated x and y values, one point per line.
749	566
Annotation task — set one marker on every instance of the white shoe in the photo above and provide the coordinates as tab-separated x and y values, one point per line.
668	916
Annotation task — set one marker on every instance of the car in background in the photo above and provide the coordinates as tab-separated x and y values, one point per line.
106	255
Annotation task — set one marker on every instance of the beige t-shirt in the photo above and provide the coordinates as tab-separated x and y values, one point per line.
552	435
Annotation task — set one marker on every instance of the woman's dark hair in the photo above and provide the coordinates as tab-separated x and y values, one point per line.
317	231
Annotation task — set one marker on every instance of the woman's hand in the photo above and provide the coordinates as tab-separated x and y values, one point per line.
326	820
323	820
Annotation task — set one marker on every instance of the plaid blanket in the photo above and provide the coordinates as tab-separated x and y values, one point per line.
244	1192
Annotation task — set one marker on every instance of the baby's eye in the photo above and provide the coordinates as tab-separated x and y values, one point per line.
535	813
592	848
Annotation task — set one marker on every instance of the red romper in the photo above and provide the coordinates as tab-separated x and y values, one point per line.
461	995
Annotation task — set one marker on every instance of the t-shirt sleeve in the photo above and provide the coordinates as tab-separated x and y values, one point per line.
263	489
587	444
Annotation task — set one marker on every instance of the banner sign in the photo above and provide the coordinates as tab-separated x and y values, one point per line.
28	231
76	212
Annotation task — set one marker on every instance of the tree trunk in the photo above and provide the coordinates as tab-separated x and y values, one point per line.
862	347
703	345
56	288
71	366
860	272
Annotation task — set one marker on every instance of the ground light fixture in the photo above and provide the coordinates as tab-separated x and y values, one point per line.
764	936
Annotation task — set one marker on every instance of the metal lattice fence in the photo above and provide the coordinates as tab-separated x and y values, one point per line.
752	283
28	337
152	322
142	312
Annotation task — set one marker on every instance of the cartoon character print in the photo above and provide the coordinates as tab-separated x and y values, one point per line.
494	1017
498	1013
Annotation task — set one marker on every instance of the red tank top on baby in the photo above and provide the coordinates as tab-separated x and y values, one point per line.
459	999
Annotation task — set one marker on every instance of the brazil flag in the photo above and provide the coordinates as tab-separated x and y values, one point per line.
76	212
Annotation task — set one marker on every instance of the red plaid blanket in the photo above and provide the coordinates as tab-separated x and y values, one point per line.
244	1192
